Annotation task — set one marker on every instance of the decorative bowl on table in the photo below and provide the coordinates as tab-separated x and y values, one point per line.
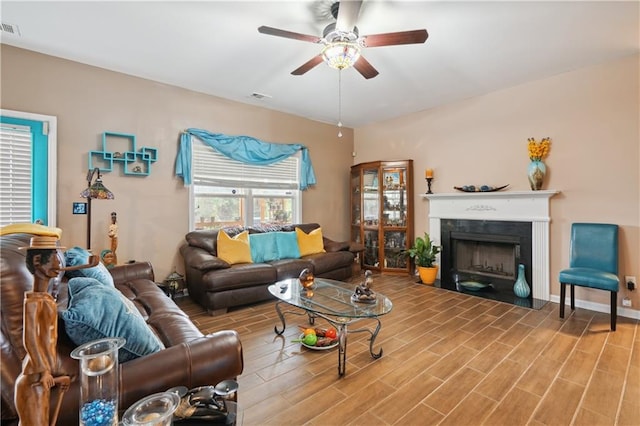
481	188
316	347
474	285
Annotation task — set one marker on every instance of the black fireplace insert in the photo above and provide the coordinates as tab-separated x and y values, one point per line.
481	257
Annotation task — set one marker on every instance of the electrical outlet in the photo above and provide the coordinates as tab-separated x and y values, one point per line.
630	282
626	302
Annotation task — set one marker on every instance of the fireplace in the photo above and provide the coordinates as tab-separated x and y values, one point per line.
481	257
485	236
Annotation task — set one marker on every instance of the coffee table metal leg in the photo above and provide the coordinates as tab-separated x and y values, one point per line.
342	348
297	311
373	339
280	314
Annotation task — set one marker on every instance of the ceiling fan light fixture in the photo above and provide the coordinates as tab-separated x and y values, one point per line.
341	54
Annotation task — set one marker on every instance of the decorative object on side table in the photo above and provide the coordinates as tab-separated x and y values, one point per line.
424	254
428	175
173	283
521	287
363	292
481	188
207	404
537	169
154	410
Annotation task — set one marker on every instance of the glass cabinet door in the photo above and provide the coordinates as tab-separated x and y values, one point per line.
394	197
394	244
371	214
394	217
371	248
356	207
370	197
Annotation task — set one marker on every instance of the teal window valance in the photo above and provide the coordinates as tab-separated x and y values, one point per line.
244	149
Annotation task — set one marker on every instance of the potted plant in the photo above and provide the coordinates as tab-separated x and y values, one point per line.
424	254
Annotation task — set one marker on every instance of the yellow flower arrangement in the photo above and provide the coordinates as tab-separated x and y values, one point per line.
538	150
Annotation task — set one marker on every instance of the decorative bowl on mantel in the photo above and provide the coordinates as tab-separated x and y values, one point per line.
481	188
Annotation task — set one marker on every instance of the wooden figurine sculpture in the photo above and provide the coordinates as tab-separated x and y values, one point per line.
108	258
40	334
364	292
113	235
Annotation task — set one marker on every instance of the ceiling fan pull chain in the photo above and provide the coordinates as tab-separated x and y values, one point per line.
340	103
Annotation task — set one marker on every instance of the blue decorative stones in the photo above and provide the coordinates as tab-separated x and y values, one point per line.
99	412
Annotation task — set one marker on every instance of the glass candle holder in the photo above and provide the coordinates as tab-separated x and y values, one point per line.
154	410
306	279
99	381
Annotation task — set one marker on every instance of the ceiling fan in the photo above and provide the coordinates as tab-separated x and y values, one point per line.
342	42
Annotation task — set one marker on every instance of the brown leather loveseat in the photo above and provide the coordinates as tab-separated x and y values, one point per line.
189	359
217	285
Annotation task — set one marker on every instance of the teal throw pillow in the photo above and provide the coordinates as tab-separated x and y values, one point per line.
78	256
263	247
97	311
287	243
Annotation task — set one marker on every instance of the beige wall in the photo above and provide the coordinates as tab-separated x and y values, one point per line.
592	116
152	211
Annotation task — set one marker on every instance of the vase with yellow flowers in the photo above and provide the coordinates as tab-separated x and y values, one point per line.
537	169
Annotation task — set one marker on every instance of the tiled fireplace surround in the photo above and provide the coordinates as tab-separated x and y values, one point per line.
519	206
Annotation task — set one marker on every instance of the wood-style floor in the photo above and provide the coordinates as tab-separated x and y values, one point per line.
449	359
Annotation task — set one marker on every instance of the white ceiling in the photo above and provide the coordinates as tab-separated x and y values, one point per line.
214	47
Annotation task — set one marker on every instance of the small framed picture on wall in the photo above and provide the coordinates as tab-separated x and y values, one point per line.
79	208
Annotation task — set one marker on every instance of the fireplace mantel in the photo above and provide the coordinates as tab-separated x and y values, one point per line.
523	206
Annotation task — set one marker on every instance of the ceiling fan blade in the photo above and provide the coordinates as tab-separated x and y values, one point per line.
307	65
365	68
391	39
288	34
348	12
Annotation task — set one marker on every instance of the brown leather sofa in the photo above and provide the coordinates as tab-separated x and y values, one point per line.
189	359
216	285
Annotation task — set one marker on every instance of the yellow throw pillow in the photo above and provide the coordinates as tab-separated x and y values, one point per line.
310	243
234	250
31	228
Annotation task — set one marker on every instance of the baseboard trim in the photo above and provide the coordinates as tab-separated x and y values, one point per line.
598	307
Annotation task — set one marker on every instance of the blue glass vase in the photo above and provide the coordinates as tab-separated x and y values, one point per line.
536	171
521	287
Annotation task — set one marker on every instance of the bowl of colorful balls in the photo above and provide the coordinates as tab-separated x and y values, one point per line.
318	338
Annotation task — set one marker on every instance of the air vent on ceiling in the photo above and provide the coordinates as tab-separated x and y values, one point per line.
10	29
260	95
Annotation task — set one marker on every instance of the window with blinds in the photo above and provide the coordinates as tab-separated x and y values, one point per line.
227	192
212	168
15	173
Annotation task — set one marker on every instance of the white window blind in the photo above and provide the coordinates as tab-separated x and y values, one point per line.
15	174
212	168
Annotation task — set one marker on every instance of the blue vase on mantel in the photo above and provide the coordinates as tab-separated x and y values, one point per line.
521	287
536	171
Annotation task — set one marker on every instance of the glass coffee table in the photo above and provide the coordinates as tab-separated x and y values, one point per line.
331	300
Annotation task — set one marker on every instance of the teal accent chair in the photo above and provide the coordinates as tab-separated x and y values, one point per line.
593	263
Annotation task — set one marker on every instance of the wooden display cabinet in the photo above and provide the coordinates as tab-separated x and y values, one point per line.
382	213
